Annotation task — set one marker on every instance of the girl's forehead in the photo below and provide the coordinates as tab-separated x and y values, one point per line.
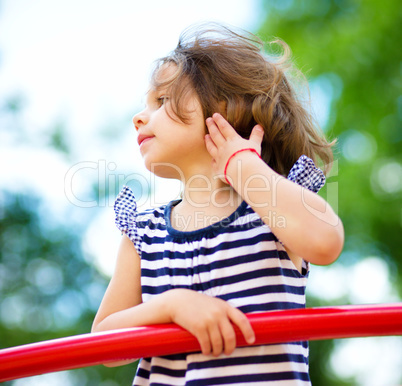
154	91
167	79
164	76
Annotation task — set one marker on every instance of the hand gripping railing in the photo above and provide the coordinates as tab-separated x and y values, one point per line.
270	327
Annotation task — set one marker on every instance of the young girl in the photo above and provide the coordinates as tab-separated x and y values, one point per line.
224	120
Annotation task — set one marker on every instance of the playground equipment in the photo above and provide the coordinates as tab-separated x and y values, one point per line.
270	327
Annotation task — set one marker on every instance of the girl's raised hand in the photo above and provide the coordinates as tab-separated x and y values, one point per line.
209	319
223	141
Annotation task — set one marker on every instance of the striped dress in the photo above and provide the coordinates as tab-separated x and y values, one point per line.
237	259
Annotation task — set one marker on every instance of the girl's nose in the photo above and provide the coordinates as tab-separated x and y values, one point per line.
140	119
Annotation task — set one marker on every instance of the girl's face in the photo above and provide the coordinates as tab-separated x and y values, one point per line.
170	148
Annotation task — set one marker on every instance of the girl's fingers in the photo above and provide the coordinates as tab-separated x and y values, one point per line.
257	135
229	336
211	147
214	132
241	321
204	341
216	339
224	127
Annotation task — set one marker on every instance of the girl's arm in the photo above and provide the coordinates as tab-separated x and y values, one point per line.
123	292
302	220
209	319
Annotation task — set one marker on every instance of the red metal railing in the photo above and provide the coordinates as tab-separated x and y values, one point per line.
270	327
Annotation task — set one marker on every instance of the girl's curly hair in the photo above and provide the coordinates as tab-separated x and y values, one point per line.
231	74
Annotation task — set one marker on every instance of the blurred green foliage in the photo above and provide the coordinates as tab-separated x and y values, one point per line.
350	50
47	289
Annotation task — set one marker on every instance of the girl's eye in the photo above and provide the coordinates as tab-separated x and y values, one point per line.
162	100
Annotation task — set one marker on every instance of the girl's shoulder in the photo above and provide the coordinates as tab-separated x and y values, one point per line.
126	209
132	222
306	174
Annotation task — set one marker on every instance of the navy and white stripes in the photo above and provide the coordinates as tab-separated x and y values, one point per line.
238	260
242	263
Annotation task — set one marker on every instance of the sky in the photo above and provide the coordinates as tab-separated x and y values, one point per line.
89	59
86	65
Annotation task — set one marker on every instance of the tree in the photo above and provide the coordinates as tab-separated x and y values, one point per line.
48	287
48	290
350	51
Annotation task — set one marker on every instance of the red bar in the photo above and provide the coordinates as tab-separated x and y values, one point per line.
270	327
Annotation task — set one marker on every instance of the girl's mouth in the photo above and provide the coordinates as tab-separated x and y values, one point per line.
142	138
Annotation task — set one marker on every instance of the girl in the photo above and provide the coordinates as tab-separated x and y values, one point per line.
224	120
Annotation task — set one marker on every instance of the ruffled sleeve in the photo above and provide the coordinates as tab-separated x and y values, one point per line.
305	173
125	208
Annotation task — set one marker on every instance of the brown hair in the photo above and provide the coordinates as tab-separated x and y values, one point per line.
230	74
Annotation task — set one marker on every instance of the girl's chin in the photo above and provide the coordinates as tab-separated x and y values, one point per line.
163	169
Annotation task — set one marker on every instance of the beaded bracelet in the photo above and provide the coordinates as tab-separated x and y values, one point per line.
236	152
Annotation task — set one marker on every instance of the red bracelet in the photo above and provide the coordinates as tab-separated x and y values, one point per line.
236	152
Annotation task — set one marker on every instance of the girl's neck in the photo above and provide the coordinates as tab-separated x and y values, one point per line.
219	198
201	190
205	202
